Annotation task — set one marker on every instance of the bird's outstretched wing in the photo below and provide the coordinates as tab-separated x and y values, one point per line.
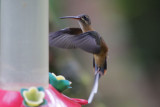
64	38
71	38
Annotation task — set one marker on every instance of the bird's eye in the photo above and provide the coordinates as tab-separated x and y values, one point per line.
85	18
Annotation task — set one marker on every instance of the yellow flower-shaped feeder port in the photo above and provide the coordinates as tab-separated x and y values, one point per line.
59	77
33	96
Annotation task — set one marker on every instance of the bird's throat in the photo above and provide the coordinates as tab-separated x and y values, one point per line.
85	28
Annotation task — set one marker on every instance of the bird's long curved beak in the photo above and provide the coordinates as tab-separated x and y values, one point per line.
70	17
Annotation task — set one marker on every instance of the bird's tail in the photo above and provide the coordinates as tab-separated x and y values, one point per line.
99	71
95	87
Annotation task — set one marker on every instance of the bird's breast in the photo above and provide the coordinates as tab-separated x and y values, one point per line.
100	59
101	56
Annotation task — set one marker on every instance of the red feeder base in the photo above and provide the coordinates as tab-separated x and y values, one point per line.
53	97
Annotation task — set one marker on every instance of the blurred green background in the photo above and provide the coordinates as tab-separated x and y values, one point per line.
131	29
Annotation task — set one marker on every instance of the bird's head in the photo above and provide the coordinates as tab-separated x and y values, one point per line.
83	19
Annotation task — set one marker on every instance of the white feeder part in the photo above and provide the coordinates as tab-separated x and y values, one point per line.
23	44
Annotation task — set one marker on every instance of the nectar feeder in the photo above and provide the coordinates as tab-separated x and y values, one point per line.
24	54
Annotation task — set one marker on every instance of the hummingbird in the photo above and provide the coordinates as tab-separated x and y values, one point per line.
87	39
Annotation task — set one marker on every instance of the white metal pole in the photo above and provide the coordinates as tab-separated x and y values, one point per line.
24	44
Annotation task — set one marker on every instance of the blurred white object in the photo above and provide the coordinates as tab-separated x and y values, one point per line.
23	44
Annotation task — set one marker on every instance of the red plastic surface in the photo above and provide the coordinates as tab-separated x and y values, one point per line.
53	97
80	101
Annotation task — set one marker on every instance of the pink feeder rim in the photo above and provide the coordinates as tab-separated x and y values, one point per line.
53	97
